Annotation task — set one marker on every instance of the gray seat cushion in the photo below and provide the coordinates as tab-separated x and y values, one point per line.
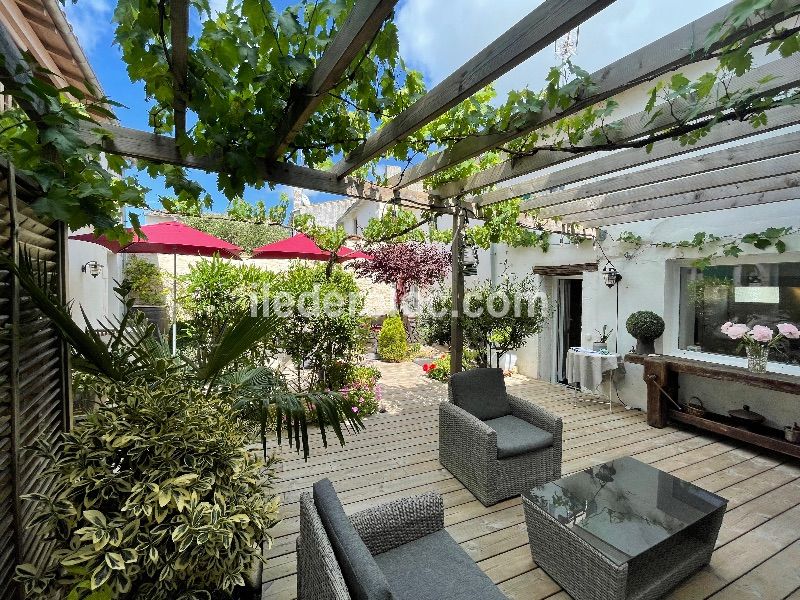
364	579
515	436
481	392
434	567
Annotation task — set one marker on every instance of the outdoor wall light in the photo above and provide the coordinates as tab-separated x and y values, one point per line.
611	276
93	268
469	261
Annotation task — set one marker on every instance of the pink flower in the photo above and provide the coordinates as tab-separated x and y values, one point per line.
789	330
737	331
725	327
760	333
354	409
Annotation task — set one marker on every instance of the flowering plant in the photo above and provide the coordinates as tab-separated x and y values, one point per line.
363	393
438	369
760	337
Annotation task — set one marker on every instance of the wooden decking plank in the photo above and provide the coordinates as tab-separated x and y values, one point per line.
740	556
509	564
770	579
397	457
758	510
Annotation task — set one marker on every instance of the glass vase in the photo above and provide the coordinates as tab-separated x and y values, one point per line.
757	358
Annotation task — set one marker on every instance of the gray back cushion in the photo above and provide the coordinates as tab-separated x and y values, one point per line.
364	579
481	392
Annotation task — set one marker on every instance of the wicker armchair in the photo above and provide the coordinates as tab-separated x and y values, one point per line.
412	556
496	444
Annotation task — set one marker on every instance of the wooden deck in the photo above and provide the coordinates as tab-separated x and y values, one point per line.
757	554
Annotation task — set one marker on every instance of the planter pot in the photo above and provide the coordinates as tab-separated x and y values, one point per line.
757	358
597	346
645	346
157	315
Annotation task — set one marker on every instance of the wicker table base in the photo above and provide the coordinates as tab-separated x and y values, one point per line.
587	572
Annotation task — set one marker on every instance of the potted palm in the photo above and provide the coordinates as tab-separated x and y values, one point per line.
646	326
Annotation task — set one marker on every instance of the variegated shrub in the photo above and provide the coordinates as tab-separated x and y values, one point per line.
157	498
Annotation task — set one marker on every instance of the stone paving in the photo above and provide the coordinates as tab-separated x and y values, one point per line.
404	386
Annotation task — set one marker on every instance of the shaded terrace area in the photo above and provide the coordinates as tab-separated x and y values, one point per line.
397	455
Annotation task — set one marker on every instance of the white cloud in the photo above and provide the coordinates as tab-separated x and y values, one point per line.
90	20
437	40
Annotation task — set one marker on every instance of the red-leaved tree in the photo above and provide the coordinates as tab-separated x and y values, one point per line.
404	265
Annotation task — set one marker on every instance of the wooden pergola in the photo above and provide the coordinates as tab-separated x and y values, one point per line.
766	171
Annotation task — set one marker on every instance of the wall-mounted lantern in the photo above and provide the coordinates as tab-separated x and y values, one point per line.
469	260
93	268
611	276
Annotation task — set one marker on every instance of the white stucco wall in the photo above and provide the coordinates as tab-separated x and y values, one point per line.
94	294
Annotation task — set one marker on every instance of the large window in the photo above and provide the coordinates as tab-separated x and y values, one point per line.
754	294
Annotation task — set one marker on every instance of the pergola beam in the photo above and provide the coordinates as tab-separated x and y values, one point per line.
782	174
133	143
670	177
541	27
363	23
753	199
163	149
635	157
179	37
681	47
627	129
728	182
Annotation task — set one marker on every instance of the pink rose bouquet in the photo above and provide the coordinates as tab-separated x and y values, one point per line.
758	340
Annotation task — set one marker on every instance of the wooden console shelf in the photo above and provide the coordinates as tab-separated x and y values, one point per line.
765	437
661	375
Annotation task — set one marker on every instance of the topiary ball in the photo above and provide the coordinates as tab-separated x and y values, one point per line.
645	325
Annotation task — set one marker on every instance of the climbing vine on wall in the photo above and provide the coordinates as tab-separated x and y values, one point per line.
731	246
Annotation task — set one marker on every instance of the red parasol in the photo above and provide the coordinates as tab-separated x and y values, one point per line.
170	237
302	246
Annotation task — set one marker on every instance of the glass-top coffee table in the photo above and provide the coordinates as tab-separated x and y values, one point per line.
622	529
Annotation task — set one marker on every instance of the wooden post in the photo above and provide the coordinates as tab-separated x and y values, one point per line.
456	331
656	377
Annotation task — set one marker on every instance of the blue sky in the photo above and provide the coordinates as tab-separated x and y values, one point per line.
430	40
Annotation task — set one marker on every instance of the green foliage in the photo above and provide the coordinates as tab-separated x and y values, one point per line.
321	323
501	226
399	225
392	341
212	293
439	369
362	392
501	316
772	237
145	281
156	497
243	65
132	353
645	325
434	321
78	185
245	234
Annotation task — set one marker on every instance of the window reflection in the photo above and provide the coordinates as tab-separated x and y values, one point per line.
752	293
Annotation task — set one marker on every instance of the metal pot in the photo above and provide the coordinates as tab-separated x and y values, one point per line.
645	346
792	433
745	416
597	346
